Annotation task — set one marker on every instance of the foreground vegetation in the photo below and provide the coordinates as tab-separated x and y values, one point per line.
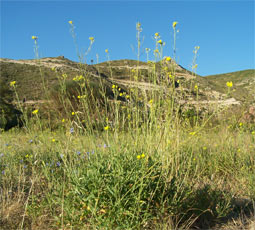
115	182
105	156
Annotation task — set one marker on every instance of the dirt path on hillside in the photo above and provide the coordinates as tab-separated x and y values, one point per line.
42	62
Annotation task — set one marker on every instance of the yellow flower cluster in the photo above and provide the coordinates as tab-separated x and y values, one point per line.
157	35
196	49
35	111
78	78
229	84
12	83
138	24
194	66
174	24
92	39
140	156
156	51
192	133
34	37
138	27
160	42
81	96
64	76
168	58
106	128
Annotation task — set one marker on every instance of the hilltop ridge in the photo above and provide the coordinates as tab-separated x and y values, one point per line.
211	88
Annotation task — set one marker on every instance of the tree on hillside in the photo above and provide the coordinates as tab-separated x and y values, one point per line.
6	94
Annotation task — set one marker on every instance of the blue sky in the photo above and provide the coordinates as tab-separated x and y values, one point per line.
224	30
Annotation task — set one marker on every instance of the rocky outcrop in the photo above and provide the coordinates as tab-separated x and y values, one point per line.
249	115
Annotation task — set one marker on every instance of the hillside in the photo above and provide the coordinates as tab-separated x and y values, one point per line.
31	75
31	79
243	84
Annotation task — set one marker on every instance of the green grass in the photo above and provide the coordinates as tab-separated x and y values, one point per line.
98	155
93	182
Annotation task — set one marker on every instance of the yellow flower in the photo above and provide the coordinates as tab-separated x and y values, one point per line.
241	124
63	120
70	22
121	94
168	59
151	101
196	87
160	42
156	35
143	155
92	39
192	133
12	83
102	211
73	113
127	96
174	24
107	51
34	37
194	67
253	132
53	140
35	111
229	84
138	157
106	127
113	86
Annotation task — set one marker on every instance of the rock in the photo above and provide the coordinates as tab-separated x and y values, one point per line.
249	115
252	110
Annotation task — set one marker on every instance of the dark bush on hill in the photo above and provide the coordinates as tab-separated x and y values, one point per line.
9	115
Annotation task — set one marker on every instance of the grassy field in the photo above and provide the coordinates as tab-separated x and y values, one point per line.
110	157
